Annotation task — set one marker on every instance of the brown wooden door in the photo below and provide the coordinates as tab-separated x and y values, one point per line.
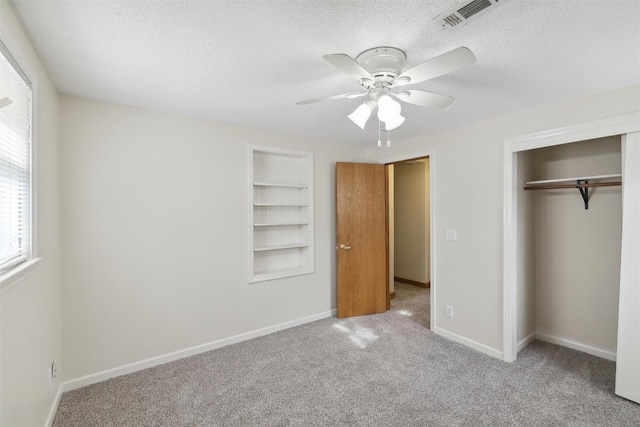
362	237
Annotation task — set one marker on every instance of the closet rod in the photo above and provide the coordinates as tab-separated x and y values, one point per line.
584	185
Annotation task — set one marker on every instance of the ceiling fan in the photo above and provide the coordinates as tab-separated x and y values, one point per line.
379	71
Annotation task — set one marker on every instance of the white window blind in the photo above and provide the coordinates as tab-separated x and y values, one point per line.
15	163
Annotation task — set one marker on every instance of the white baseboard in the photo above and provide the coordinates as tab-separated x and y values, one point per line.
180	354
469	343
54	406
525	342
605	354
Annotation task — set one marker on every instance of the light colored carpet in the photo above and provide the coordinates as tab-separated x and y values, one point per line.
413	302
379	370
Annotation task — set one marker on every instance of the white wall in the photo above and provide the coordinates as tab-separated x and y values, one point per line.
156	234
411	200
577	251
467	169
30	310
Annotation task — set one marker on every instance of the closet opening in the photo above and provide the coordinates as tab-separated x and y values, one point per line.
538	303
569	245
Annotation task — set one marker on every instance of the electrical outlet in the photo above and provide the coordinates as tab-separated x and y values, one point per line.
450	235
52	372
449	311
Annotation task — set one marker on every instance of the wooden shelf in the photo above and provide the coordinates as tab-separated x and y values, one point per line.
280	247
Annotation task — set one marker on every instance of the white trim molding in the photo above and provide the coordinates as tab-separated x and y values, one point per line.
17	274
585	348
54	406
191	351
525	341
628	361
509	322
617	125
469	343
600	352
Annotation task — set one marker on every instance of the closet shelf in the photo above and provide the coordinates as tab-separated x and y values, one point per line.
581	178
276	224
581	183
280	247
295	205
269	184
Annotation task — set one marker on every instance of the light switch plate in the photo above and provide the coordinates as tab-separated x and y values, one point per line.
450	235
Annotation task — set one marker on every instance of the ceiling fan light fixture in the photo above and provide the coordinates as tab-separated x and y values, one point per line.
361	115
4	102
394	123
381	70
366	83
388	109
402	81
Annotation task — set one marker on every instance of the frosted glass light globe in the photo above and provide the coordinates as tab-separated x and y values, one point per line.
388	109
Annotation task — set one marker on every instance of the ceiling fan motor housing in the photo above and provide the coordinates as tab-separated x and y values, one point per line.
383	63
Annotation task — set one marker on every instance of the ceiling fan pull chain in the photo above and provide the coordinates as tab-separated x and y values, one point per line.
379	141
388	139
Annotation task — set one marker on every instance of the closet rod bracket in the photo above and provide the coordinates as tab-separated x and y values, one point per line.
584	191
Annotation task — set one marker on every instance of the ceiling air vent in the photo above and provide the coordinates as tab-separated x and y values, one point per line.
460	13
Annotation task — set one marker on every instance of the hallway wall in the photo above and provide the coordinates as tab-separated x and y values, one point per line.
412	233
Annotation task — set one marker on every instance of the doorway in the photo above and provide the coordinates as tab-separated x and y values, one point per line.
409	213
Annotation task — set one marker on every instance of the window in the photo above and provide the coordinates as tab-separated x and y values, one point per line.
15	163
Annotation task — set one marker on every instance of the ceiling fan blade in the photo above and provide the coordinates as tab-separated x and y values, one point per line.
348	65
438	66
424	99
4	102
331	98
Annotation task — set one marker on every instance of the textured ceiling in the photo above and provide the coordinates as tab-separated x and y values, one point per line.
248	62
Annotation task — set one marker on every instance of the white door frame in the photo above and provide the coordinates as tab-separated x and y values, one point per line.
432	227
617	125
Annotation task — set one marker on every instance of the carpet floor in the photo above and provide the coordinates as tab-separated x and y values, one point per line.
379	370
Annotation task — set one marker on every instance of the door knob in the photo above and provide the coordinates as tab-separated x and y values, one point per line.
345	248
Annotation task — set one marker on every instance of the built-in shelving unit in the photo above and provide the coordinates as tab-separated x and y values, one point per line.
281	213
